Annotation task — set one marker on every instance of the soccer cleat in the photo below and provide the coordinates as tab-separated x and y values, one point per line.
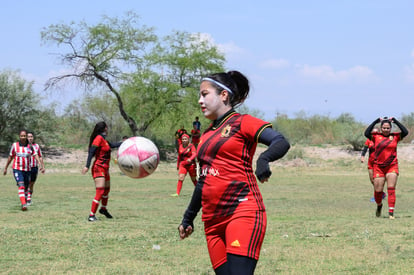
391	215
174	195
92	218
24	207
29	202
378	212
106	213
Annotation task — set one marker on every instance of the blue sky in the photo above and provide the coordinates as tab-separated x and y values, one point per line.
309	57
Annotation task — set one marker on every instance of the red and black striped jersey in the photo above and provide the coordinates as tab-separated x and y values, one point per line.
225	154
385	149
103	151
185	153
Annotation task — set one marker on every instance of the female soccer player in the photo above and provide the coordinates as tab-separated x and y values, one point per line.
34	166
232	206
20	153
185	162
369	146
195	136
385	160
100	148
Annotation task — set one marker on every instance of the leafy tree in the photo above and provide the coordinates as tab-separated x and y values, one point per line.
20	109
100	55
165	94
155	82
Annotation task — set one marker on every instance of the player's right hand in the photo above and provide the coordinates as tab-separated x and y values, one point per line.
184	233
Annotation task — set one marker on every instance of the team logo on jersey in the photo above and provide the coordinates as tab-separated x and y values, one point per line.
391	137
226	131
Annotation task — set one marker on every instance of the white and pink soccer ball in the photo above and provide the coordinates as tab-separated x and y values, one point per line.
138	157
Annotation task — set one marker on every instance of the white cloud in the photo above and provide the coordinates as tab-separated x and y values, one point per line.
327	74
275	64
228	48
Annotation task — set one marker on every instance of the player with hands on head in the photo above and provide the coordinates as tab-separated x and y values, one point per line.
233	212
100	148
385	160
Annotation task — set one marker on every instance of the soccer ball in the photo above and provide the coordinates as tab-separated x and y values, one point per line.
138	157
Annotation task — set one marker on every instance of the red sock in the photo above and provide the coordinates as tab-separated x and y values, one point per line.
96	200
391	199
22	196
29	195
105	198
378	197
179	186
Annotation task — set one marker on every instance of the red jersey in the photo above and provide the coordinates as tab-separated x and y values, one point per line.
195	136
103	152
33	161
385	149
185	154
371	147
21	156
225	155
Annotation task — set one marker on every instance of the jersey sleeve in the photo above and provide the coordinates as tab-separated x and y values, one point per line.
97	142
39	152
253	127
13	150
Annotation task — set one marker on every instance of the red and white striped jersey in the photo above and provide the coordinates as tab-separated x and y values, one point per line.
33	161
21	156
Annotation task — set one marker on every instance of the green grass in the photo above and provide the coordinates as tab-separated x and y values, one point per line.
320	221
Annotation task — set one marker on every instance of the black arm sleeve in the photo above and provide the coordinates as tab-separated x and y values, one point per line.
404	131
364	151
193	208
91	153
368	131
278	147
115	145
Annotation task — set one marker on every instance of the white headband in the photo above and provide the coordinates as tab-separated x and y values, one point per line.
218	84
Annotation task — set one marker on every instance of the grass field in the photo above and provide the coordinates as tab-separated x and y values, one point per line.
320	221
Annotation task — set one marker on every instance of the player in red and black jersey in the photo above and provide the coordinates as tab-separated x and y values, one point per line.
385	160
21	153
195	136
227	191
185	162
178	134
100	148
369	147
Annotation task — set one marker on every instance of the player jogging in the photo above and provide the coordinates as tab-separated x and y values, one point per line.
233	212
20	154
186	162
100	148
370	147
34	164
385	160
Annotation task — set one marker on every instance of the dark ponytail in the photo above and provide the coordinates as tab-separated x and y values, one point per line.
236	82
